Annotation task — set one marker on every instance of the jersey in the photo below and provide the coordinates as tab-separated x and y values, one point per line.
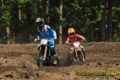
47	33
73	38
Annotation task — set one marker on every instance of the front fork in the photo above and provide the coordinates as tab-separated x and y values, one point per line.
79	54
42	52
45	53
83	56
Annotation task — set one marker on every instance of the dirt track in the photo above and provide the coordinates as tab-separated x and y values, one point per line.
17	62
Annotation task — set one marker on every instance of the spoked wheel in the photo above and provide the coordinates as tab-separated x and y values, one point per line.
79	55
40	61
75	56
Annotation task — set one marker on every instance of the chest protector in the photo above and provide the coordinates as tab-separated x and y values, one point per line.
73	38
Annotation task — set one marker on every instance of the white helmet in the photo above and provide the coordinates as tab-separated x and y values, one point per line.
39	20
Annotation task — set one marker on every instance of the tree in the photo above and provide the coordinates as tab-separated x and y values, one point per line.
97	20
61	18
5	17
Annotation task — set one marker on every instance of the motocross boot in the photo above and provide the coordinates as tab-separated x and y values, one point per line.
53	52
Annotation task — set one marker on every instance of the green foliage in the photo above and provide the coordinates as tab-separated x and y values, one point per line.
22	1
116	23
85	15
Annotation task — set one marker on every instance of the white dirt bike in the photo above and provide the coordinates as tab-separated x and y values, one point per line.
44	56
78	51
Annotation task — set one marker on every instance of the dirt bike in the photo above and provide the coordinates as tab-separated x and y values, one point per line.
44	56
78	51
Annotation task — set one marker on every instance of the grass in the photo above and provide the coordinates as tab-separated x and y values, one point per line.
90	74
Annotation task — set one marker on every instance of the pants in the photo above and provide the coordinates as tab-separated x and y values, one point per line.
52	47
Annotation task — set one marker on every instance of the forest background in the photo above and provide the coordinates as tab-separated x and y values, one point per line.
97	20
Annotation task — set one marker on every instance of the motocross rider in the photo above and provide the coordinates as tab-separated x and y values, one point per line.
72	37
46	32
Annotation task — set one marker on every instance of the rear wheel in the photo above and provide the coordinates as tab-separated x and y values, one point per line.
56	61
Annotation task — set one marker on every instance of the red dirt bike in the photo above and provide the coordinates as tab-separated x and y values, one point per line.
44	56
78	51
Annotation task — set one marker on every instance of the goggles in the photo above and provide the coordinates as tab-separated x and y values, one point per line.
71	33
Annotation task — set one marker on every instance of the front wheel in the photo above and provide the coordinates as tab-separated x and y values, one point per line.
40	61
82	55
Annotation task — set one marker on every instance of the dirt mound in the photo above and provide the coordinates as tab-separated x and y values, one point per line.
17	62
23	66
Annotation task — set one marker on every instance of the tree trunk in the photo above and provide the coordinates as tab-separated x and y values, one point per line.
47	11
109	21
16	16
61	27
7	27
42	8
8	35
92	33
19	13
104	24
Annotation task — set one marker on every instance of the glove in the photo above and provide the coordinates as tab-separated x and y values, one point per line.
35	40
